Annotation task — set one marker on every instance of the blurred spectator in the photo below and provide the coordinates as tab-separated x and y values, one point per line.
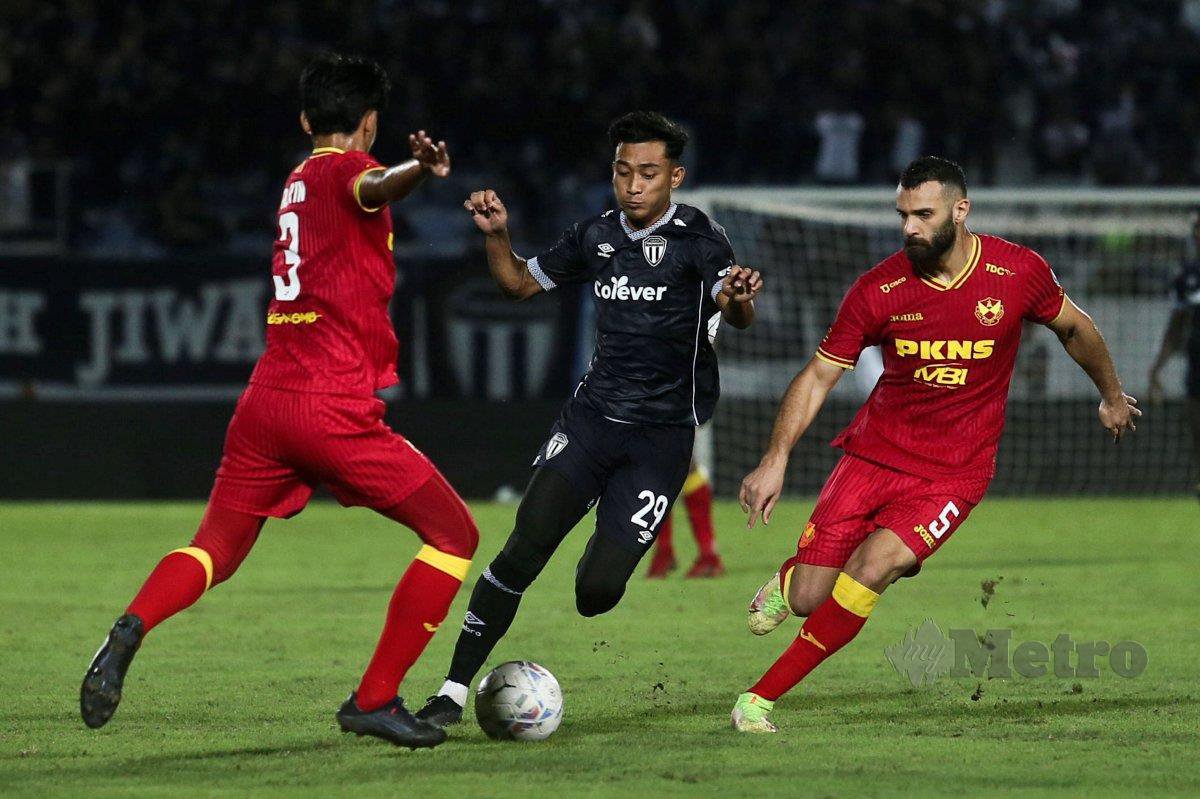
180	118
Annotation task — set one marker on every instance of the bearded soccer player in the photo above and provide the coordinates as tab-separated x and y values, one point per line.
660	273
948	311
309	415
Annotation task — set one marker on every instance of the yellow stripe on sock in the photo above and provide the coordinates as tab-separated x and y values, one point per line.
205	561
452	565
785	585
696	480
854	596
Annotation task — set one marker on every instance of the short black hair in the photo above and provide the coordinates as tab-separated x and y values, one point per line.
640	126
337	90
931	167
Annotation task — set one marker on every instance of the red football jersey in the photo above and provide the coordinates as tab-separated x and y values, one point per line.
948	355
328	327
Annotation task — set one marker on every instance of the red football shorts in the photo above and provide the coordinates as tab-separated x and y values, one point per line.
861	497
281	444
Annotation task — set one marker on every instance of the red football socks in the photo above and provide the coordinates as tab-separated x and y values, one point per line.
666	534
176	583
698	499
419	604
831	626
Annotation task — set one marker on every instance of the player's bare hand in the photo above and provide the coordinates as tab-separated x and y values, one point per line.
1118	416
489	213
434	158
1156	387
760	491
742	284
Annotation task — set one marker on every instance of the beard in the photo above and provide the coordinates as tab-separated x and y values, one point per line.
925	255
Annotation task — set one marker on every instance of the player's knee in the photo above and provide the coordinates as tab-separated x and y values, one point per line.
880	560
593	597
464	540
803	601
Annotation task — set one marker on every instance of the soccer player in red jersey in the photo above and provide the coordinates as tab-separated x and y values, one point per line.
309	415
947	310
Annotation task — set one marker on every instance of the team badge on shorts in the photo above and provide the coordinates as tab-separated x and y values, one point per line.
806	538
989	311
654	248
555	445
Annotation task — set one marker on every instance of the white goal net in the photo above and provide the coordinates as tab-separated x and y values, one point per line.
1115	253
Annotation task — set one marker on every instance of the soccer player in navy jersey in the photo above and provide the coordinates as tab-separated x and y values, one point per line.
660	273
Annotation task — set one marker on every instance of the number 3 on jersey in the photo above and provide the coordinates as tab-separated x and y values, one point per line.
287	289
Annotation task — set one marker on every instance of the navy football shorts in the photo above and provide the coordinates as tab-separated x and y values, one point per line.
635	471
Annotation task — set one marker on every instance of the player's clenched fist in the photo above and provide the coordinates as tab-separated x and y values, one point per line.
489	213
742	284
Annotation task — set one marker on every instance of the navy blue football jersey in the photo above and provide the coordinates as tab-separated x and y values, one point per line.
655	292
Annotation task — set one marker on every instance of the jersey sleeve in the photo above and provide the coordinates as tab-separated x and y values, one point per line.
716	256
1044	296
854	329
349	173
562	263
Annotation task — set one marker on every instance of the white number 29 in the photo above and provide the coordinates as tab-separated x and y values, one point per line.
656	504
287	289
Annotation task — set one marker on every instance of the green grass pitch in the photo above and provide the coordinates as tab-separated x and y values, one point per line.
236	695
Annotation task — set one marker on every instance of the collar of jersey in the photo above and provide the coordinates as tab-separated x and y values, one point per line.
961	277
637	235
328	150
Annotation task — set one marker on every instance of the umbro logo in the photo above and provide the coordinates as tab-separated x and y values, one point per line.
645	536
473	619
605	250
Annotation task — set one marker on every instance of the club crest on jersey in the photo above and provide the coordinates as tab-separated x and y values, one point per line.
556	444
989	311
654	248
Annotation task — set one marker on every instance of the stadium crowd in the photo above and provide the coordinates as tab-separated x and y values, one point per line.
177	118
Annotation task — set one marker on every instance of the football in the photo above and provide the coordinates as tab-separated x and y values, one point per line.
519	701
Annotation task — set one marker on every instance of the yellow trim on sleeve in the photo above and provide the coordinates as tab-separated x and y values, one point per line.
841	363
854	596
696	479
452	565
358	180
205	561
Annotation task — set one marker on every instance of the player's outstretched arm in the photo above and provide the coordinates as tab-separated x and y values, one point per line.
1082	340
804	398
736	297
509	270
381	186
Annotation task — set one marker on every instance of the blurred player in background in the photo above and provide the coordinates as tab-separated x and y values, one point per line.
698	500
948	310
309	415
660	272
1183	332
